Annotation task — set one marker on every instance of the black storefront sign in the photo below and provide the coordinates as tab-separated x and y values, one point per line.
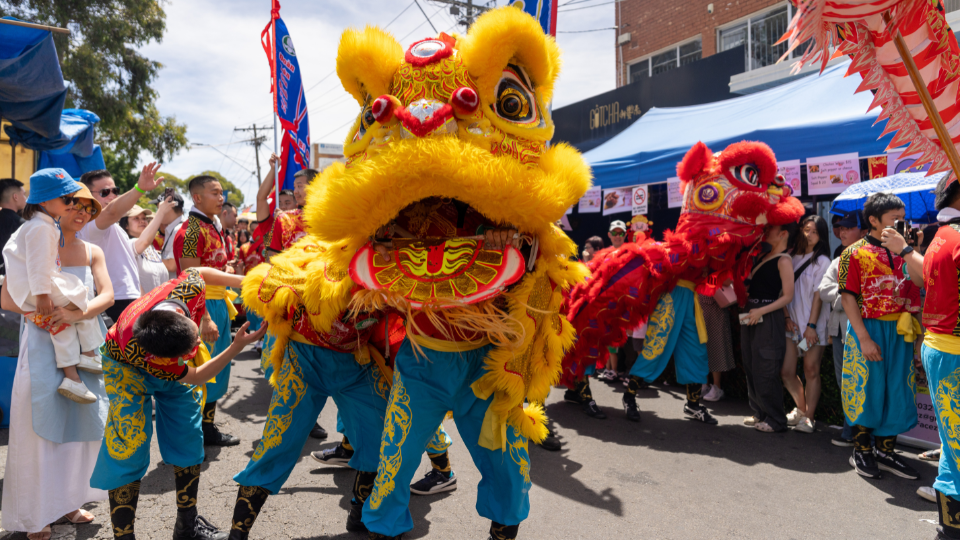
591	122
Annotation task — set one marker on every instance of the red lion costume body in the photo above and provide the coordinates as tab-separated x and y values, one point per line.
729	198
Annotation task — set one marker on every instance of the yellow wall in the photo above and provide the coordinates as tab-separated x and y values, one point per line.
26	160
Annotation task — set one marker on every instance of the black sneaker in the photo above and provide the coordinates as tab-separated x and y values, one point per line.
551	442
840	441
318	432
434	482
593	411
699	413
212	436
630	407
572	397
355	519
865	464
191	526
892	463
338	456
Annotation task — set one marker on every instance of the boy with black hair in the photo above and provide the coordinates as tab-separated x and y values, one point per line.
202	242
881	303
154	350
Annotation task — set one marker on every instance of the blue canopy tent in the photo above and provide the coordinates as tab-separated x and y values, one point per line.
32	91
812	116
32	94
915	189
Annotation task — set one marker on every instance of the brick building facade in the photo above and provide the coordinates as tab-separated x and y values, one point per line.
657	35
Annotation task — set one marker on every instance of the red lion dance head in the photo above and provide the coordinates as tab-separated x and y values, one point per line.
728	200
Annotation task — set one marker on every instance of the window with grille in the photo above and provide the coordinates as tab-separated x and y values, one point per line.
760	34
672	58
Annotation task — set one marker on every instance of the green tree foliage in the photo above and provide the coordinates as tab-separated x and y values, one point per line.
108	75
233	194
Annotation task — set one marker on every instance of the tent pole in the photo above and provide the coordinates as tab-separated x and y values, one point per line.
942	134
25	24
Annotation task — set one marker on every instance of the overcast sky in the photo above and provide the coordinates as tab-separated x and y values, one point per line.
215	75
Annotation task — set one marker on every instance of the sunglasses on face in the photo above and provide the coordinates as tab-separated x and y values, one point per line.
69	201
618	233
106	192
88	208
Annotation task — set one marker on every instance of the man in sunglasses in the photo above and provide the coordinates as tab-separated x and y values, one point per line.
618	233
107	234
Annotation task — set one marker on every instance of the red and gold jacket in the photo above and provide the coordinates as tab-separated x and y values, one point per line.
187	291
288	227
198	237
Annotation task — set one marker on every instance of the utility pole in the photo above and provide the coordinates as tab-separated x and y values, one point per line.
471	10
256	141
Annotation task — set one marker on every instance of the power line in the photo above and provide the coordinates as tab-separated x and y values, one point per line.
425	15
352	120
201	145
586	7
419	25
585	31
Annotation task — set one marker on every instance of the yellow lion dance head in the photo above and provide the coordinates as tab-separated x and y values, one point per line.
454	119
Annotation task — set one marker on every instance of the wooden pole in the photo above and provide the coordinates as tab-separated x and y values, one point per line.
37	26
945	142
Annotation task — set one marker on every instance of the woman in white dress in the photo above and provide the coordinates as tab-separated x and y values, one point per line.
807	321
54	442
142	226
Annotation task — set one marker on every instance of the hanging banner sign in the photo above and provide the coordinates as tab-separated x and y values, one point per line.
617	200
641	200
899	163
590	202
674	196
790	170
832	174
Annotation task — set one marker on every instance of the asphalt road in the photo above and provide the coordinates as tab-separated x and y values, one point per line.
664	478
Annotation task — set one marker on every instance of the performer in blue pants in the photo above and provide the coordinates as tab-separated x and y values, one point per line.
424	389
675	329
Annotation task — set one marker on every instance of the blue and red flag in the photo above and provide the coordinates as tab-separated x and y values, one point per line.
544	11
289	103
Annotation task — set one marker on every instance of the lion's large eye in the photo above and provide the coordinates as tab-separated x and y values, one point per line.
516	101
748	174
366	120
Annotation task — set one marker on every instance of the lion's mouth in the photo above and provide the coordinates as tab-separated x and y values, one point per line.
438	257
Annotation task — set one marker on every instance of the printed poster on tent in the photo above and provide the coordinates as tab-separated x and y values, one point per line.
827	175
899	163
617	200
590	202
790	170
674	196
641	200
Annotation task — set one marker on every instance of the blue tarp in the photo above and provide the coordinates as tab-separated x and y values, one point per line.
810	117
915	189
32	91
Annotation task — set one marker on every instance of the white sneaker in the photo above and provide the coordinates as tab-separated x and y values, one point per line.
705	389
76	391
794	416
804	426
928	493
90	364
715	394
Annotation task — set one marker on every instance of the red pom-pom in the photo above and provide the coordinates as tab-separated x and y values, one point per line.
790	210
465	100
749	205
382	109
694	162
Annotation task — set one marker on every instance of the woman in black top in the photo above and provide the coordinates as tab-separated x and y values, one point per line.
763	331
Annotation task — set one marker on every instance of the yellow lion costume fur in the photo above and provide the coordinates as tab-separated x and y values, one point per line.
463	118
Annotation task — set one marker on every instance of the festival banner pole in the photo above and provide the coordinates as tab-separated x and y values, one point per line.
938	126
274	13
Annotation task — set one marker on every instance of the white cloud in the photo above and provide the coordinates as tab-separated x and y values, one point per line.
216	76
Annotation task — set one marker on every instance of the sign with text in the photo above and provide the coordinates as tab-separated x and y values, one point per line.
832	174
617	200
674	195
926	429
641	200
790	170
590	202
